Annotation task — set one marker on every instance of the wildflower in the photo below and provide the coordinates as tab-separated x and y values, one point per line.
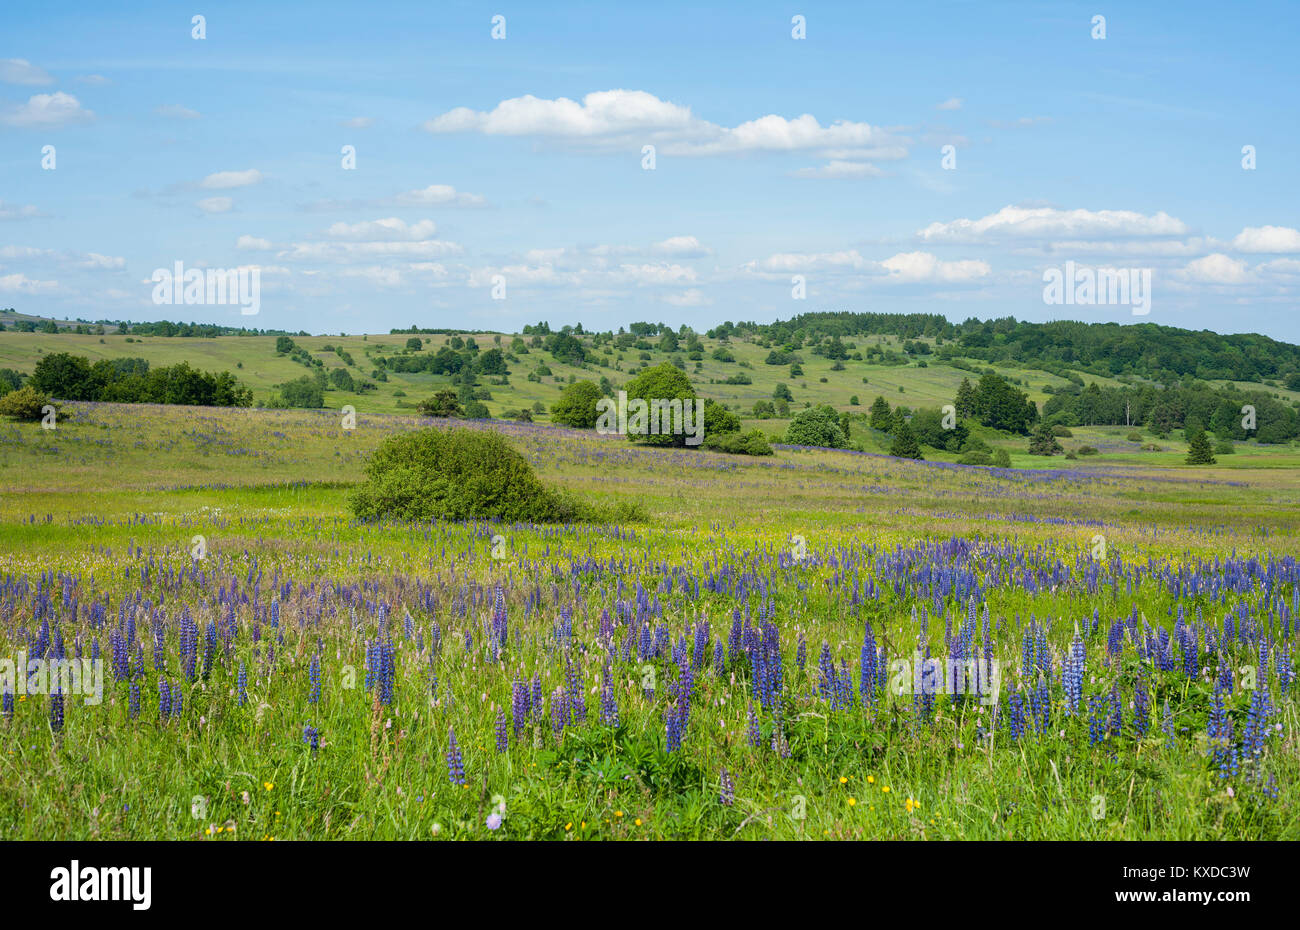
455	764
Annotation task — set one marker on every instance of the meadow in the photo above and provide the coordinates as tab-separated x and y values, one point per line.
723	668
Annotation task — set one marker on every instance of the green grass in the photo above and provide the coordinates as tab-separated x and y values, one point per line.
117	490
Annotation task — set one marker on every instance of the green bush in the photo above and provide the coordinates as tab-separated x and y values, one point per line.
1001	458
26	403
457	474
751	443
302	392
816	426
443	403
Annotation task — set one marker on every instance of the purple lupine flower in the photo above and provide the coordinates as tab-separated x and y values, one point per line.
313	696
503	731
455	764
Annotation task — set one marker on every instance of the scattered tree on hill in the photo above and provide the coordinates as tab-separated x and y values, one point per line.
444	403
1043	442
577	405
1199	450
905	445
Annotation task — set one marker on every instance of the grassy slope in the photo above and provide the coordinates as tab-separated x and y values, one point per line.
910	385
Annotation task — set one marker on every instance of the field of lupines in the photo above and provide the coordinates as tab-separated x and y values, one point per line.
1122	642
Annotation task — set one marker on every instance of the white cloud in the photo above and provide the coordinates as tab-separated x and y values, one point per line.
952	103
97	80
102	262
790	262
1160	248
691	297
176	111
253	243
628	117
223	180
1023	122
17	212
47	111
600	113
438	195
1217	269
348	251
215	204
22	71
912	267
391	229
1267	239
680	247
21	284
841	169
653	273
1042	222
358	122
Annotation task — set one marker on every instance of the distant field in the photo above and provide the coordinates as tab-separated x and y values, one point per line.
254	360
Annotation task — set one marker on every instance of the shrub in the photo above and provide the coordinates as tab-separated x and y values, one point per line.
751	443
26	403
1062	432
457	474
975	458
444	403
1001	458
302	392
1087	450
816	426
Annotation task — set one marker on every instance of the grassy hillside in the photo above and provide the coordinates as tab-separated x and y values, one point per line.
922	381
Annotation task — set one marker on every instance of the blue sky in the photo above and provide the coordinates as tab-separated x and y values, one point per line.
519	160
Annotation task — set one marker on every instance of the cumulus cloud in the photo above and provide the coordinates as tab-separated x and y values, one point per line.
952	103
680	247
47	111
216	204
224	180
352	251
913	267
792	262
1043	222
390	229
358	122
841	169
253	243
1277	239
628	117
22	71
97	262
1217	269
436	195
21	284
